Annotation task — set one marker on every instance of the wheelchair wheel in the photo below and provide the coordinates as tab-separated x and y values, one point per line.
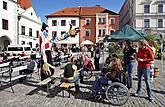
98	98
87	74
117	94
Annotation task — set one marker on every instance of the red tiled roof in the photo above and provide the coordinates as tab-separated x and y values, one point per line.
66	12
80	11
25	4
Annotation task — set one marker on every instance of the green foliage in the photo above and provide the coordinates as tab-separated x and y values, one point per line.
151	37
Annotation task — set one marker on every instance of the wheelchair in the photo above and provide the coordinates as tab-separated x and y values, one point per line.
114	92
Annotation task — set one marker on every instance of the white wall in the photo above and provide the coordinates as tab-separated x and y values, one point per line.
11	15
29	21
60	28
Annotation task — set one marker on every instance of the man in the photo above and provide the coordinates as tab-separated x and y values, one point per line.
129	61
71	75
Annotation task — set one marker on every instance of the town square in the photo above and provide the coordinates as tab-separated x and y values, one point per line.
82	53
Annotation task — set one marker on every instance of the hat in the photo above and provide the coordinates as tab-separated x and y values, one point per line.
44	26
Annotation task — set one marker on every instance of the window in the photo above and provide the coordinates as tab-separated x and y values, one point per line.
4	5
63	22
54	33
63	32
28	48
30	43
112	21
54	22
5	24
101	32
30	31
37	33
160	23
160	8
101	20
146	8
23	30
111	32
146	23
87	21
22	42
73	22
15	48
87	32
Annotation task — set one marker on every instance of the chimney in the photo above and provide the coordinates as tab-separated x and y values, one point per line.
97	5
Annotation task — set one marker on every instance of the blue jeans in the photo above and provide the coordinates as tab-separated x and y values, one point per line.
129	67
146	72
97	87
75	80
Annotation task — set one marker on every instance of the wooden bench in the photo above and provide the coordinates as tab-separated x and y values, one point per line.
65	86
11	79
46	82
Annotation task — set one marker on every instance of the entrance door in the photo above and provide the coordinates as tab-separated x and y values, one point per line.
6	43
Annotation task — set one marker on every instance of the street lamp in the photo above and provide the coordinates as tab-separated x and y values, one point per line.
18	19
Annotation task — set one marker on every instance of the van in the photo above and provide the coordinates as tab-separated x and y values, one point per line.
19	49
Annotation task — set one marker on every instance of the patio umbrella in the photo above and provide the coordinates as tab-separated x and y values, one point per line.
87	42
127	33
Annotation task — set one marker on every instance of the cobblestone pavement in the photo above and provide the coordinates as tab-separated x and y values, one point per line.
28	94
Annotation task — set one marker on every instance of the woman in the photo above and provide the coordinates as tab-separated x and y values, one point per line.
129	61
97	58
144	56
115	70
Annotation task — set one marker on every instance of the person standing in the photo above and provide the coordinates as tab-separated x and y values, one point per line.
97	58
129	61
144	56
92	51
151	46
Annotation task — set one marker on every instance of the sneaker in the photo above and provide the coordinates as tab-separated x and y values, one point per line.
137	95
151	99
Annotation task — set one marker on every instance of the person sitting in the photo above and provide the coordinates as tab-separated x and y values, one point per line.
71	75
30	67
115	69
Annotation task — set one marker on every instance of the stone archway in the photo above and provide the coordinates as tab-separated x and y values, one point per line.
4	42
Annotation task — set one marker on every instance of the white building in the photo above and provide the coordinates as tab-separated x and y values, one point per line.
145	15
8	23
58	23
29	24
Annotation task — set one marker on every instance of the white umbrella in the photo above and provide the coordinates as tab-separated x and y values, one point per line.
87	42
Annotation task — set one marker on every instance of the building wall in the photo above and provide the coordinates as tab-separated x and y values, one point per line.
11	15
29	19
132	12
91	26
60	28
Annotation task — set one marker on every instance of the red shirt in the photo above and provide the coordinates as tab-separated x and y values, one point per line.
147	56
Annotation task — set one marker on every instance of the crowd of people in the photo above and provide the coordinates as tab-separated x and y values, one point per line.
143	54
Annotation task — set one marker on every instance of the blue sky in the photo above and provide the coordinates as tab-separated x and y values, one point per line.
45	7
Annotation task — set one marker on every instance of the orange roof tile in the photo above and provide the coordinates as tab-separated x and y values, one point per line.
80	11
25	4
66	12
